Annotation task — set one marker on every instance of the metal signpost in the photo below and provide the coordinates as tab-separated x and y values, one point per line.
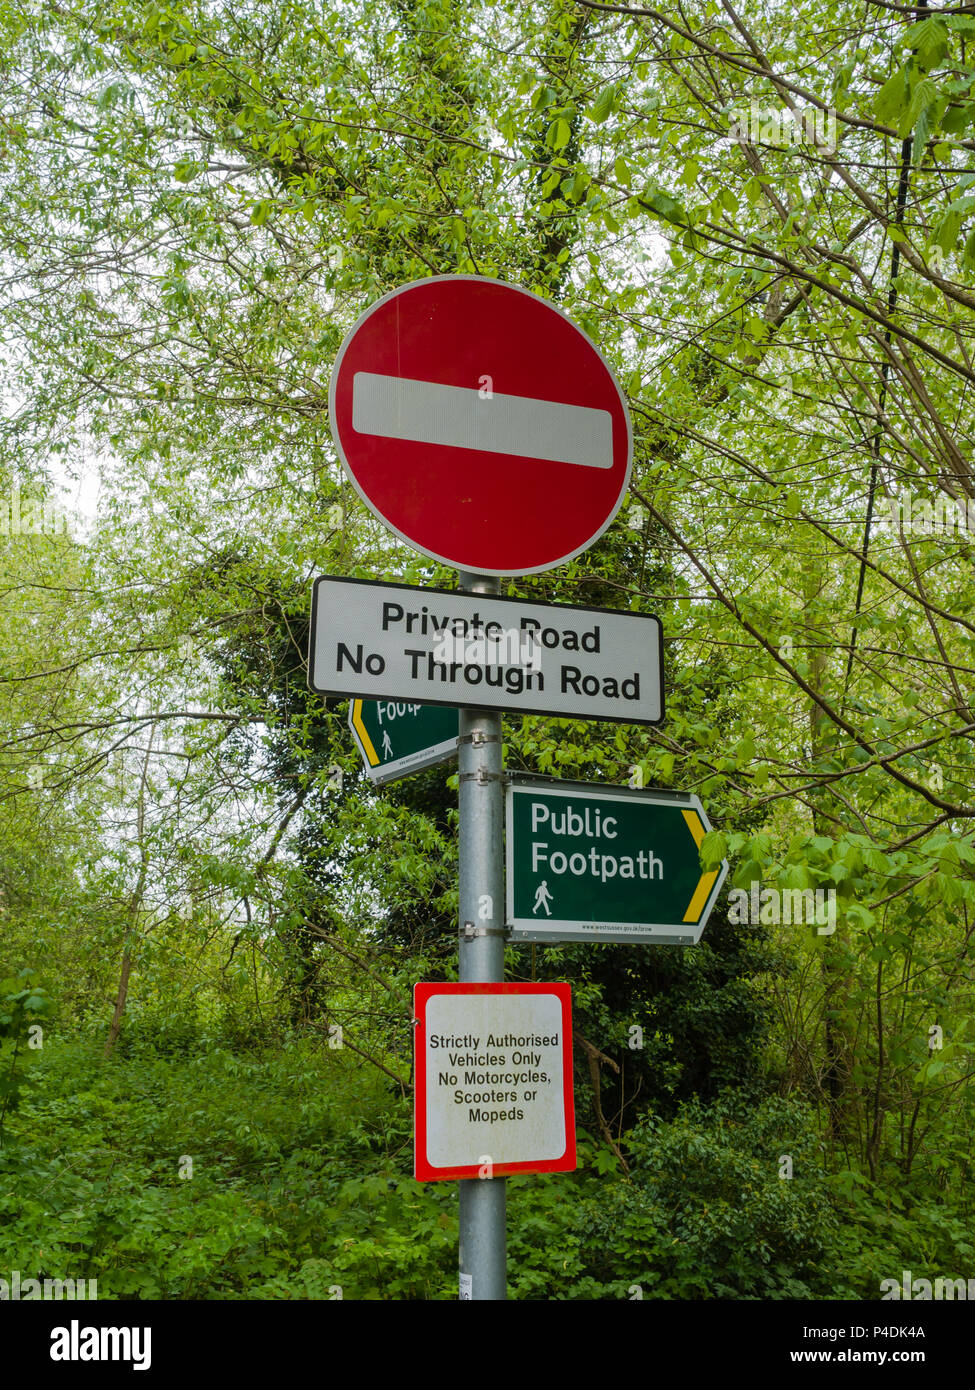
587	863
397	737
483	427
483	1234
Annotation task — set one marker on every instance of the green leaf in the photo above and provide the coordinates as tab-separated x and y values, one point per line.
892	99
924	95
602	107
947	233
929	39
713	848
968	256
665	207
559	134
958	118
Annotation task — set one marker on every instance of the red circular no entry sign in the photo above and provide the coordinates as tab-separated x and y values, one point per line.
481	425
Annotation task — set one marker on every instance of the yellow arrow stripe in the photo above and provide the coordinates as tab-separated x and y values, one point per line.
703	890
360	729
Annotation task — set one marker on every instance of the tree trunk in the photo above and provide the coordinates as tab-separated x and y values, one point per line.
115	1027
134	907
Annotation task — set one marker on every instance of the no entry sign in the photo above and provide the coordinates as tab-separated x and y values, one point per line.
493	1080
481	425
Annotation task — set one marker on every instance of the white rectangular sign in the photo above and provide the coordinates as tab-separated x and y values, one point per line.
443	647
493	1080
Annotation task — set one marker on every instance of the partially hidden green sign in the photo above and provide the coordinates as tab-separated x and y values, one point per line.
396	738
606	864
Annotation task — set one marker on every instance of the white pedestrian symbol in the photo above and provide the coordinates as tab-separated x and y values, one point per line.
542	898
387	744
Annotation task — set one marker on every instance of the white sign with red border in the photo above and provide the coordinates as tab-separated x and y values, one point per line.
493	1068
481	425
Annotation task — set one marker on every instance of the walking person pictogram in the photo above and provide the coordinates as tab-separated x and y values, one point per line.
542	898
387	744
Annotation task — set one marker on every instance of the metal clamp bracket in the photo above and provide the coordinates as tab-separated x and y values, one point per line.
482	776
469	931
478	739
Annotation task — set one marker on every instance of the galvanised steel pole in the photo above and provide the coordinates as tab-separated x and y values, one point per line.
483	1244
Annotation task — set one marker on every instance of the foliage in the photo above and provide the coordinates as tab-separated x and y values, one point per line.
300	1188
769	229
23	1001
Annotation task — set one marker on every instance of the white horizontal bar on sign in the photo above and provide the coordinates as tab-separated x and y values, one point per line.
429	413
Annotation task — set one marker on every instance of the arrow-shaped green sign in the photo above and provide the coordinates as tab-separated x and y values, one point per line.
396	738
606	865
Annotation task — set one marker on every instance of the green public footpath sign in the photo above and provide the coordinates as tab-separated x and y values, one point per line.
396	737
606	865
